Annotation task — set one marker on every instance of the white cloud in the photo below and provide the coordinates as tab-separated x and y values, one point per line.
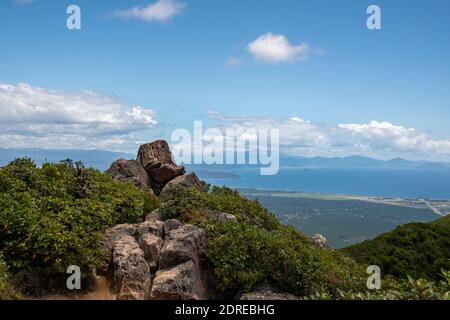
160	11
389	137
275	48
36	117
376	139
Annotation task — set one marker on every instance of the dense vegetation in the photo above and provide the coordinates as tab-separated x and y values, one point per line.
443	222
403	289
53	216
258	248
418	250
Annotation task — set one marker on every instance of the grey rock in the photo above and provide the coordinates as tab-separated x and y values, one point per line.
113	234
131	271
165	172
189	180
130	171
151	245
154	154
155	215
153	227
320	240
182	244
181	282
219	216
171	224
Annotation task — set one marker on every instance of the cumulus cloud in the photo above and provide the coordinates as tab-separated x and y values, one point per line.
376	139
160	11
389	137
37	117
276	48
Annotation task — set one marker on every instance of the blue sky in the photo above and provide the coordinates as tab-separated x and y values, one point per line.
369	87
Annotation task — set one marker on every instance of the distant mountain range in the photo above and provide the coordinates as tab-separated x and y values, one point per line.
102	159
358	162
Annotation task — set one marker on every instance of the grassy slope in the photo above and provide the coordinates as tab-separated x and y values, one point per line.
443	222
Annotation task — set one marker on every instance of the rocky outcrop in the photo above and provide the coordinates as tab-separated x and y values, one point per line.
158	260
130	171
154	169
157	160
154	154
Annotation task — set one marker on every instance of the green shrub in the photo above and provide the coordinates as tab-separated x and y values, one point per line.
6	290
3	274
404	289
244	255
417	250
52	217
179	203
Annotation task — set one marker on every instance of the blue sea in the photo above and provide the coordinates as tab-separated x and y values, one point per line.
404	183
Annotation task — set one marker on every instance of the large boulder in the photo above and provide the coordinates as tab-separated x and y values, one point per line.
165	172
156	158
154	154
185	243
130	171
181	282
131	271
173	252
189	180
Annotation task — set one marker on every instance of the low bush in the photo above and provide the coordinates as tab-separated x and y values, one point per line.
52	216
244	255
181	203
403	289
